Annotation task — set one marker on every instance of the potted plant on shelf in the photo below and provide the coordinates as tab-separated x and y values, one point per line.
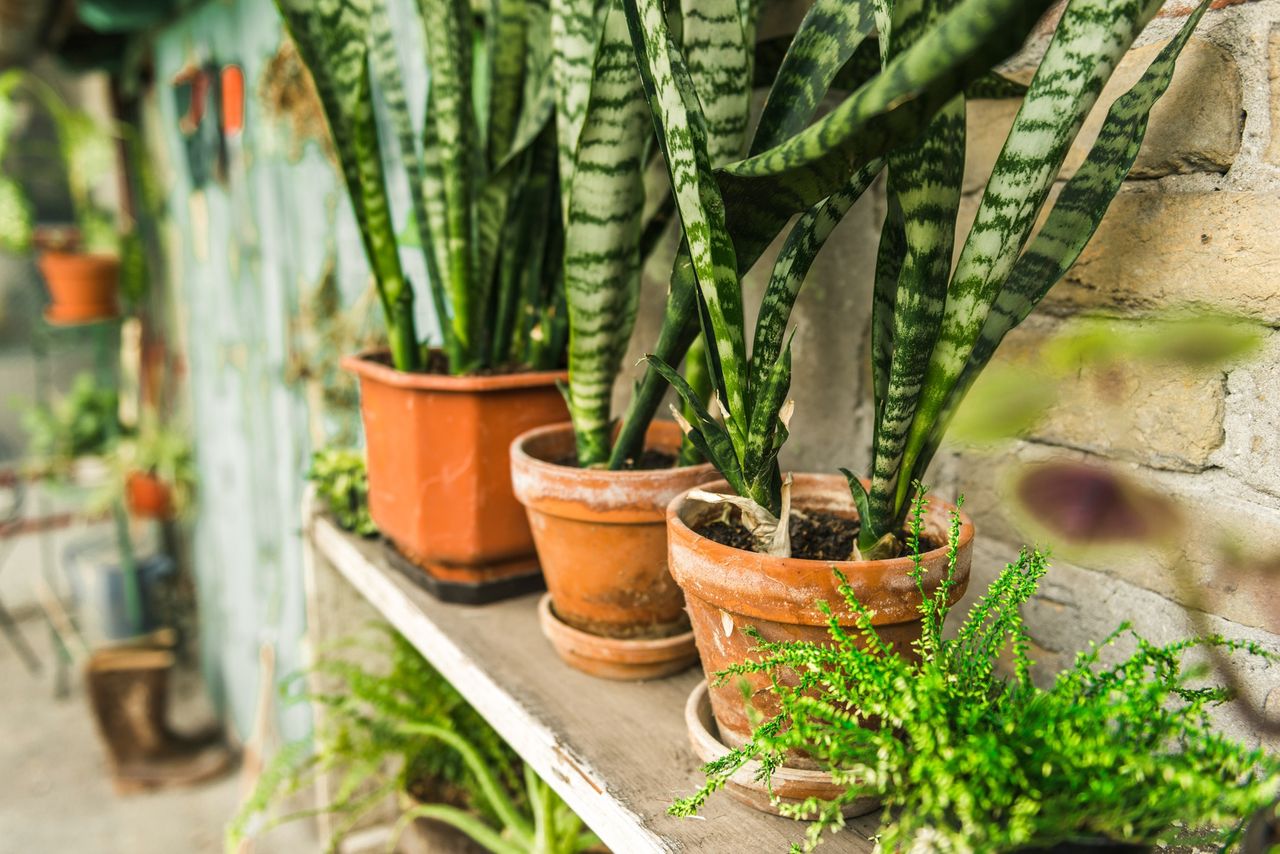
80	265
748	558
968	755
597	511
71	439
481	167
158	471
399	728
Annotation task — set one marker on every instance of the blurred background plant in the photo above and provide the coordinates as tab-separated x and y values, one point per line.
343	485
83	423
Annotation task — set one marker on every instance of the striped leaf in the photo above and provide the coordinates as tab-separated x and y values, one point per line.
385	63
718	55
682	133
452	126
605	195
827	37
575	37
1075	215
706	433
1088	43
332	37
924	181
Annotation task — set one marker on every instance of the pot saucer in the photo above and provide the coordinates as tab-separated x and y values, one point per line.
789	785
623	659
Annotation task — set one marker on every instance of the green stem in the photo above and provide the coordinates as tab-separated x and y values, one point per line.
474	828
699	379
402	331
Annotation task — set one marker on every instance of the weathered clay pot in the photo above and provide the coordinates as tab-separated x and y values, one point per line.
83	286
727	588
624	659
789	785
148	496
439	471
602	542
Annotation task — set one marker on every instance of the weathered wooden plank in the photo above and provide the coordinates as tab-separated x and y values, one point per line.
616	752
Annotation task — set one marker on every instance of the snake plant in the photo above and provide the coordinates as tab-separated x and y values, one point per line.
481	170
932	330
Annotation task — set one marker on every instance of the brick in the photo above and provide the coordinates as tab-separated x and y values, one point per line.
1251	446
1163	415
1195	126
1158	250
1273	82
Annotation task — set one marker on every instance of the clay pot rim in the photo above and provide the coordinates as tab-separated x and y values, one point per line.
521	456
84	315
627	650
362	365
903	563
68	254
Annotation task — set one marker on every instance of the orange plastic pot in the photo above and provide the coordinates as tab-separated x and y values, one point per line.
602	542
148	496
727	589
437	450
83	286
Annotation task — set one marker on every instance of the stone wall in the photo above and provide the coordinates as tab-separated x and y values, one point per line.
1197	225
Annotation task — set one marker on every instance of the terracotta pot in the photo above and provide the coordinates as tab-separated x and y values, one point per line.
727	588
601	535
439	470
148	496
789	785
83	286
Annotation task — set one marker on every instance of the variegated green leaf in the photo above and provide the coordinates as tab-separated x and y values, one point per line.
924	181
708	435
452	126
827	37
677	116
602	257
806	239
1075	215
332	38
889	255
718	55
1090	39
508	20
575	37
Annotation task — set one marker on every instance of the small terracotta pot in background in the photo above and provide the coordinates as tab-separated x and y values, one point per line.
439	471
727	589
83	286
602	541
148	496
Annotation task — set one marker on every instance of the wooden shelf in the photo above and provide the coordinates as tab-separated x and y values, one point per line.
616	752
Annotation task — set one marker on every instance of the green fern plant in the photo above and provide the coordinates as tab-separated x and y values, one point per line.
970	759
343	485
84	422
404	728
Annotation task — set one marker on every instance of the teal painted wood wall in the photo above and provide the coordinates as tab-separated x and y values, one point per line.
257	263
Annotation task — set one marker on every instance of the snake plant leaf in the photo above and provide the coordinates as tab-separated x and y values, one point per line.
538	100
602	253
711	439
806	239
827	37
454	131
718	56
757	463
682	134
889	255
388	73
891	108
1090	39
575	36
332	38
1075	215
924	180
994	87
508	43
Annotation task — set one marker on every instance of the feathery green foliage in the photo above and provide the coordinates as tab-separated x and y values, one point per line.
935	329
403	727
85	422
481	170
969	759
732	213
343	485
